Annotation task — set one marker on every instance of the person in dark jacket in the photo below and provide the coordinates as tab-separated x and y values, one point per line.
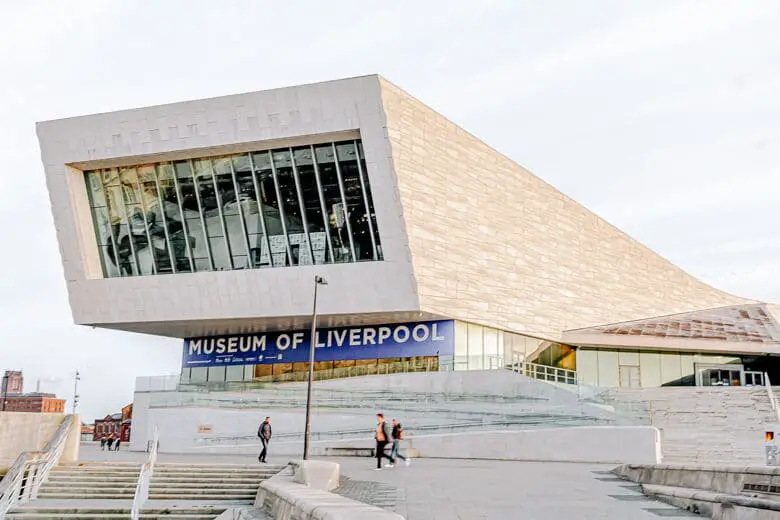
383	436
264	432
398	436
110	441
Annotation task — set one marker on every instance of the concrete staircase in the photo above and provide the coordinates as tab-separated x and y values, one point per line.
426	403
106	490
705	425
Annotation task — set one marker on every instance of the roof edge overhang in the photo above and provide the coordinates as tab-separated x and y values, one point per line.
672	344
751	303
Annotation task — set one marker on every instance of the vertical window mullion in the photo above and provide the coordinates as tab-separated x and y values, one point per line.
244	233
365	201
280	203
260	210
321	195
301	205
218	196
184	228
344	201
200	214
110	226
146	223
127	223
95	221
168	243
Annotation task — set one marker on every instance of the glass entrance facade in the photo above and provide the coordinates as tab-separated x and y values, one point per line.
291	206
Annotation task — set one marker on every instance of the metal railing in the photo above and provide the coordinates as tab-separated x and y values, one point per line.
542	372
526	421
31	469
144	479
772	398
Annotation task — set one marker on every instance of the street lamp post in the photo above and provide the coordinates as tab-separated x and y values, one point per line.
318	280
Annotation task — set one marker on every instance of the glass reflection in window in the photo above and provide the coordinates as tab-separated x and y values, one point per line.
273	208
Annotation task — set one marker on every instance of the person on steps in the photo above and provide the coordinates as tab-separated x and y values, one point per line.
264	432
382	436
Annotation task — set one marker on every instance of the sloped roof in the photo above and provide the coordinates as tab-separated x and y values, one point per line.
738	323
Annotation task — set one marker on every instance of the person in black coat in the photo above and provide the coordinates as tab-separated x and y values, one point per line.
383	436
264	432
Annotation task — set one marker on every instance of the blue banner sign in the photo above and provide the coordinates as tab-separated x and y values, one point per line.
430	338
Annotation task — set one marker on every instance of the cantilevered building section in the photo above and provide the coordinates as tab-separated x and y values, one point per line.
208	220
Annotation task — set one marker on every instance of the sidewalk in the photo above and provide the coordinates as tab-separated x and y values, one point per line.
442	489
436	489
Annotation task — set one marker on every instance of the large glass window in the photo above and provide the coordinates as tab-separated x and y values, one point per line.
272	208
313	205
170	216
277	252
333	195
292	214
212	213
193	219
369	200
357	214
231	213
249	205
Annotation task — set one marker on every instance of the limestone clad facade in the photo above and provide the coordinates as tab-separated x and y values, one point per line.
494	244
466	233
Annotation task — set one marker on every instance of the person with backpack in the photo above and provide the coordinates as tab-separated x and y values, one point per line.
264	432
398	436
383	435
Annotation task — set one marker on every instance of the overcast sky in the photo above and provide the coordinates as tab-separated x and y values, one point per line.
663	117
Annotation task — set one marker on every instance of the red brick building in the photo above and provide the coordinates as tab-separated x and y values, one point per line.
34	403
107	425
127	420
13	382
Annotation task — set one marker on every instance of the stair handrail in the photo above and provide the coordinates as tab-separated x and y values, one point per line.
772	398
31	469
543	372
144	478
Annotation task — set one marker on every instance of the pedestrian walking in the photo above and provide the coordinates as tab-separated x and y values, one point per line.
103	440
118	442
264	432
398	436
110	441
382	436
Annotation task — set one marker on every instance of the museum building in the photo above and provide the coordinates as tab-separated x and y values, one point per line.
210	221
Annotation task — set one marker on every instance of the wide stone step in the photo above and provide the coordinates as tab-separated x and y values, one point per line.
171	471
98	492
70	513
56	484
240	496
183	478
108	516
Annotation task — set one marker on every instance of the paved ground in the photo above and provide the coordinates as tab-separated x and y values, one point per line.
435	489
91	452
470	490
